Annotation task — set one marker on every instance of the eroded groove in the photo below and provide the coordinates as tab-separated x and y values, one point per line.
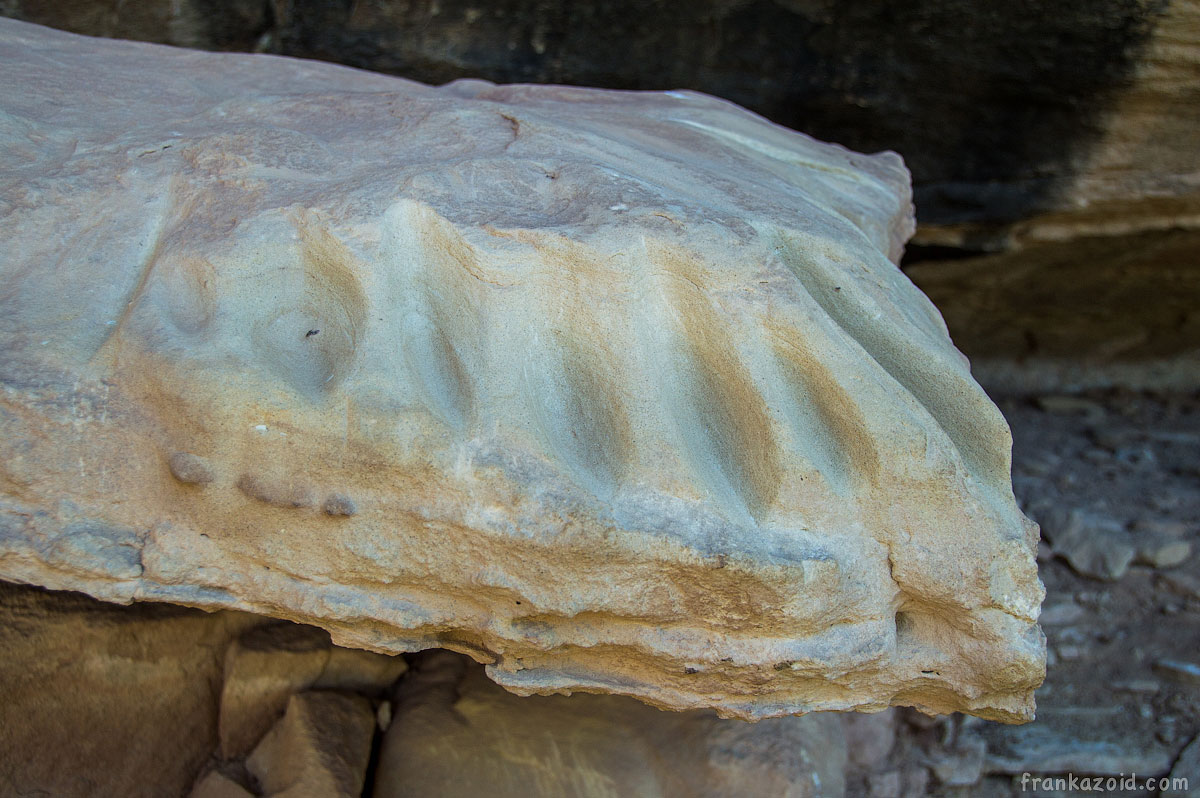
442	293
578	403
159	238
725	421
439	371
953	401
573	377
831	423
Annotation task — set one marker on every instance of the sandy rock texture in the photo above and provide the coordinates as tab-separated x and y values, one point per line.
319	749
141	701
613	392
455	733
107	700
268	665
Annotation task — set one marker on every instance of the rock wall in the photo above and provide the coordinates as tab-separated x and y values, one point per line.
107	700
1102	286
1094	310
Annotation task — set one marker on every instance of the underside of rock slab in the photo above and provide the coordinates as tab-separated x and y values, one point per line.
615	392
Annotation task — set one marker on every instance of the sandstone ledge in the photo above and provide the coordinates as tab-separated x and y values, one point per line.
615	392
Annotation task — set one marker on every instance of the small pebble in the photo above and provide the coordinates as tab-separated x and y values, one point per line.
1172	529
1064	612
339	505
1180	671
1164	502
1093	545
1041	466
1181	584
1137	686
1071	405
279	494
884	785
1164	553
1166	732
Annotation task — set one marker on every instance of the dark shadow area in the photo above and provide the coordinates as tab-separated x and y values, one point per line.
991	104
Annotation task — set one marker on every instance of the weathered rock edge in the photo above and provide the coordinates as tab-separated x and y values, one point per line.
616	392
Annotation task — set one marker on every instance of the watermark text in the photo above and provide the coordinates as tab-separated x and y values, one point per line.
1071	782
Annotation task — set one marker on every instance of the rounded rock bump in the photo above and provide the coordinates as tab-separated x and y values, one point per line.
275	493
190	469
339	504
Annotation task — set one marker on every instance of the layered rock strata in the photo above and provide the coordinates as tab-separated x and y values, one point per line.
614	392
1100	287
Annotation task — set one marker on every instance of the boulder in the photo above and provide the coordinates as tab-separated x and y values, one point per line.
319	748
455	733
870	738
1182	780
269	663
141	695
216	784
1043	748
262	670
614	392
961	764
1053	148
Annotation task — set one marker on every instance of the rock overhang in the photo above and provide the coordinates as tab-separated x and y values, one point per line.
617	392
